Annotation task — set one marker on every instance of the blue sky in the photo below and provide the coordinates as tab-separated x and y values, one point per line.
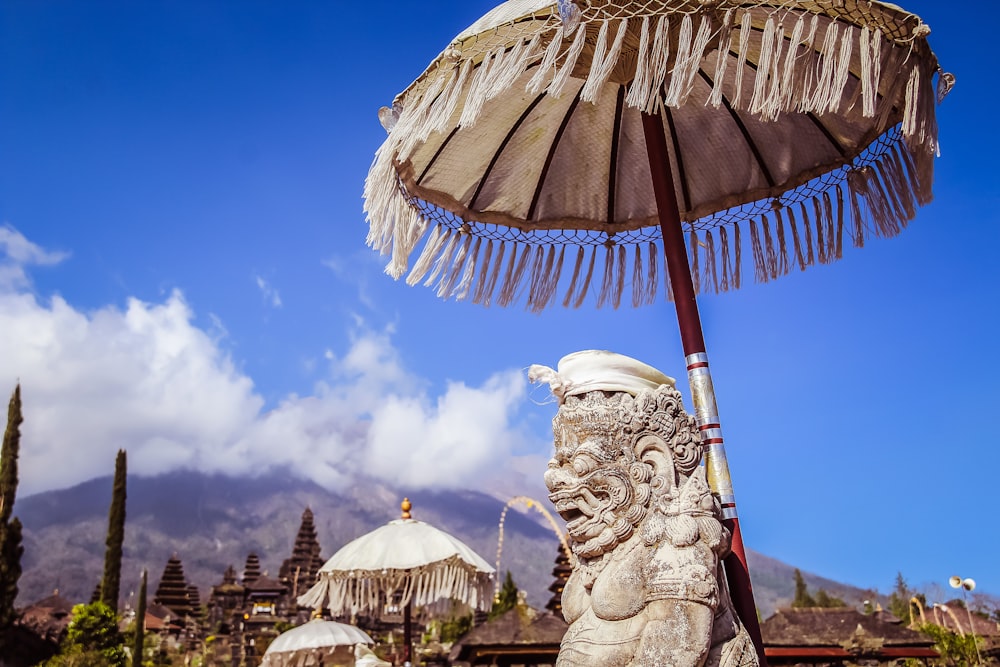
183	273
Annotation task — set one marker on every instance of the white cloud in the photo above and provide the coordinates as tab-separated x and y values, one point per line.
16	253
270	294
144	378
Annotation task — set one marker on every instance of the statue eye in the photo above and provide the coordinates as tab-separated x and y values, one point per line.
583	465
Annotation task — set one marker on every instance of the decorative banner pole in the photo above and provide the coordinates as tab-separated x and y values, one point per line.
699	376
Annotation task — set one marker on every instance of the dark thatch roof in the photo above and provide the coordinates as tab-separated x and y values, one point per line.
517	631
833	627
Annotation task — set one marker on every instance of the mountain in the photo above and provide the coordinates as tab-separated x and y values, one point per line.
213	521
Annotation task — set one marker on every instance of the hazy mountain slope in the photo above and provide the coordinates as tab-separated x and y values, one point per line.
211	522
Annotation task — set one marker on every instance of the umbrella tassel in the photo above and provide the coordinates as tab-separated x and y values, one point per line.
577	265
746	28
825	66
536	277
547	67
822	252
767	45
788	73
554	273
807	228
637	89
887	189
638	278
779	224
840	222
769	249
449	278
409	226
695	261
759	264
652	273
486	295
722	60
680	62
843	70
444	107
508	275
805	75
902	185
562	76
461	293
430	251
444	259
832	242
857	219
476	97
796	240
913	127
619	286
711	274
604	60
512	65
483	273
644	94
587	279
726	268
771	101
688	61
871	61
609	274
510	290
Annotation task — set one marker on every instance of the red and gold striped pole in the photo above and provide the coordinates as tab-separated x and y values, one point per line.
699	376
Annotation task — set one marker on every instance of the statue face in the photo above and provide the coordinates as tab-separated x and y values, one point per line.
589	484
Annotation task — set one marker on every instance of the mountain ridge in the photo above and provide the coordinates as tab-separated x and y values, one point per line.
213	521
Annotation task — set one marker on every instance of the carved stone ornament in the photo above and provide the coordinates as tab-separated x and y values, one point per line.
648	588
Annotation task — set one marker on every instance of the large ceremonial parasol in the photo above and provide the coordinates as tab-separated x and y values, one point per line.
401	564
702	131
317	643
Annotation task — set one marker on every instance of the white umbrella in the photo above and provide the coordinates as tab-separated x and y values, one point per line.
318	642
405	561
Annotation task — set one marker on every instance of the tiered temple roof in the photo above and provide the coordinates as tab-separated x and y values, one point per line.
299	572
173	591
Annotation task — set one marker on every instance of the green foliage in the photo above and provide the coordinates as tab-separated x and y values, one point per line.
111	582
92	638
11	549
454	628
955	649
824	599
802	597
899	600
506	599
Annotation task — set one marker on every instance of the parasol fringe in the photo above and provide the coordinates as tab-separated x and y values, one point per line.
828	222
426	259
543	286
486	296
695	262
619	284
779	224
577	265
857	220
690	51
607	283
825	67
796	239
449	278
722	60
840	222
586	280
461	292
843	71
746	28
896	171
604	60
511	67
508	276
481	82
638	278
562	76
652	272
771	101
484	272
443	108
871	62
641	80
807	228
644	91
443	259
536	276
767	47
547	67
820	223
711	276
789	78
738	254
554	274
512	280
805	76
726	269
770	255
407	230
759	259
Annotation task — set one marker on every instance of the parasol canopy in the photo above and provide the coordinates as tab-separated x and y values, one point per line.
793	128
405	561
315	643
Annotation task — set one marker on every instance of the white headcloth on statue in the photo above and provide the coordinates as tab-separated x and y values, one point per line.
598	370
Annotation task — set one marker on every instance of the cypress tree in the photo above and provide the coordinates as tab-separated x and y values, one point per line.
111	582
10	530
140	624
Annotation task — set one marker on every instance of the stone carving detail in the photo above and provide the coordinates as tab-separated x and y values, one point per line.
648	589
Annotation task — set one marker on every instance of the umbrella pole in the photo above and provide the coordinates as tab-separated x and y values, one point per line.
699	376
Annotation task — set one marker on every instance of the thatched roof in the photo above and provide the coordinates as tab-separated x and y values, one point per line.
520	630
833	627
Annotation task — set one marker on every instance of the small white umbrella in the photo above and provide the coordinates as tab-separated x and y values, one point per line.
318	642
405	561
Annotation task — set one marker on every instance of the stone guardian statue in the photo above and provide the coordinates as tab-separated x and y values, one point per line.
647	588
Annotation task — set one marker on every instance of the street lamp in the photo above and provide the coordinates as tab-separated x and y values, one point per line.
967	584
